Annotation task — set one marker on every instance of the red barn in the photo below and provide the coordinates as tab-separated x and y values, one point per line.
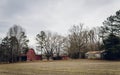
31	55
65	57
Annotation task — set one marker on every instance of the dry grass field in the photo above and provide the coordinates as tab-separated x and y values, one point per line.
63	67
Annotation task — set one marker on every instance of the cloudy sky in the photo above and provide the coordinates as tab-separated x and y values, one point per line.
54	15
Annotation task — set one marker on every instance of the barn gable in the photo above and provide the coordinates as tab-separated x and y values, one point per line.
31	55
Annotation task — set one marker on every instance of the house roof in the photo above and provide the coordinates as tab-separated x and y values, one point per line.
95	52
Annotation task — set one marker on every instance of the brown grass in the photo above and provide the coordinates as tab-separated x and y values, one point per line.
63	67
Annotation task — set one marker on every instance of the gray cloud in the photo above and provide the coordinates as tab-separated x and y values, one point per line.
54	15
12	7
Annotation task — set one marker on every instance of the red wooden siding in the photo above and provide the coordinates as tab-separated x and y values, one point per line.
32	56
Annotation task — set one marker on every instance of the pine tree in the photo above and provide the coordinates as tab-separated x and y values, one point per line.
111	36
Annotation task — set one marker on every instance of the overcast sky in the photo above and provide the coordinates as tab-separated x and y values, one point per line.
54	15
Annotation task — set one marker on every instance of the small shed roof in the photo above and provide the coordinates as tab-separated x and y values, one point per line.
95	52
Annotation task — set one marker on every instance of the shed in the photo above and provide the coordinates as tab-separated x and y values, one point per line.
94	54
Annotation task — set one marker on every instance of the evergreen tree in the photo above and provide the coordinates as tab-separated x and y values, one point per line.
19	33
111	36
112	47
5	50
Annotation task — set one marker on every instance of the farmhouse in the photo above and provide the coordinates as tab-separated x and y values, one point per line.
95	54
31	55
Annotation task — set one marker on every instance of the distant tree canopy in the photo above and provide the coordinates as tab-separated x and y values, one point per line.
13	45
9	50
112	47
49	43
5	50
81	40
41	40
111	25
19	33
111	36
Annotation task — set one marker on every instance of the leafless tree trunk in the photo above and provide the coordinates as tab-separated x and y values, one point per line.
52	43
19	33
78	39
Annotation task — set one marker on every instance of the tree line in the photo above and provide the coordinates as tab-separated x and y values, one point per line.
79	41
13	45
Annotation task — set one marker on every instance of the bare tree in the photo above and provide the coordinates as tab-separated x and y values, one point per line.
44	43
58	44
93	39
19	33
78	39
14	52
49	43
41	39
